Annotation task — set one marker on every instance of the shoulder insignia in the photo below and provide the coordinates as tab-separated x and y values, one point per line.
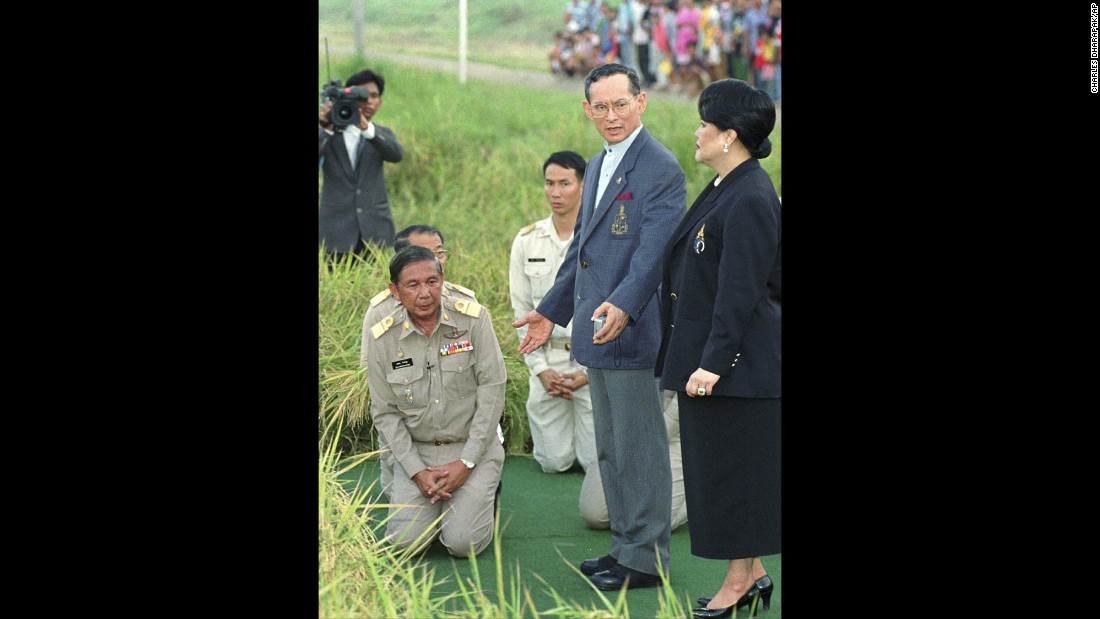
381	296
528	228
381	326
470	308
464	290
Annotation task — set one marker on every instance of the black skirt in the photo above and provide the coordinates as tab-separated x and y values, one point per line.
732	481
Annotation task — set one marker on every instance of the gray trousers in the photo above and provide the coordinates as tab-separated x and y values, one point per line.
632	451
594	507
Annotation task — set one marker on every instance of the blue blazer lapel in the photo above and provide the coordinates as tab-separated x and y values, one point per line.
588	198
631	156
615	186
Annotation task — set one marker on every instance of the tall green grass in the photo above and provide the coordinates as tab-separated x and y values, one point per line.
358	576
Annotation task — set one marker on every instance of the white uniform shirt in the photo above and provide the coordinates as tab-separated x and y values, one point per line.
537	255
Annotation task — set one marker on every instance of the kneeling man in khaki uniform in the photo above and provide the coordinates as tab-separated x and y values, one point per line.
437	381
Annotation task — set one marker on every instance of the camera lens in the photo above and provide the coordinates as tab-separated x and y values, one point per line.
344	113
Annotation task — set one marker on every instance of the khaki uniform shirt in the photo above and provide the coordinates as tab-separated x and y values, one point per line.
384	303
536	256
448	386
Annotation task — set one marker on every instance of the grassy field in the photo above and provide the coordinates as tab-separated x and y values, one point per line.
472	168
503	32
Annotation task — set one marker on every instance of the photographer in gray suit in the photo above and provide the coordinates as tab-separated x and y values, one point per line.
355	208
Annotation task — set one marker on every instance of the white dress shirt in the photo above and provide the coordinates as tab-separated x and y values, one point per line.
351	139
613	154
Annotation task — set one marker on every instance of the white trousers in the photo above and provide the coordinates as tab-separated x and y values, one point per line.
561	429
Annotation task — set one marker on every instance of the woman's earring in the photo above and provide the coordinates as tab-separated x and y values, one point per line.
726	147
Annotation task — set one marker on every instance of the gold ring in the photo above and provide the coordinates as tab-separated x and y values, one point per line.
701	391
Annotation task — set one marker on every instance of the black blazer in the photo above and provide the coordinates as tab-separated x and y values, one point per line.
720	292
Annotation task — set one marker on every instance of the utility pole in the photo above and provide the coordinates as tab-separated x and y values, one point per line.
462	42
357	17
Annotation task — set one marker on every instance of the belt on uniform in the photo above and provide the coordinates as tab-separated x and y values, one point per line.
436	443
558	345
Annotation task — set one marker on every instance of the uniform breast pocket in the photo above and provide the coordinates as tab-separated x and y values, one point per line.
410	386
541	276
459	375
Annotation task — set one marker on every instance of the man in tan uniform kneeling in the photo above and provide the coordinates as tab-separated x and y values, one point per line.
437	384
384	303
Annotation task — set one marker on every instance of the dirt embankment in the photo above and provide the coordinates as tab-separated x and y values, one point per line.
536	79
482	71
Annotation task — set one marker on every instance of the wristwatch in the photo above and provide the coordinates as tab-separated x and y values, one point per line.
468	464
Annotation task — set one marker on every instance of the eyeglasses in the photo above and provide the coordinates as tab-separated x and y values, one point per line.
414	286
443	253
622	106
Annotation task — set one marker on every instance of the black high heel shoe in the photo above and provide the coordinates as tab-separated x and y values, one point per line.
764	584
713	613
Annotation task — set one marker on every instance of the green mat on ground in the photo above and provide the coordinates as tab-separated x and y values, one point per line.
542	533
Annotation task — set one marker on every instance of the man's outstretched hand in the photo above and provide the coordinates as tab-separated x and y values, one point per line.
539	329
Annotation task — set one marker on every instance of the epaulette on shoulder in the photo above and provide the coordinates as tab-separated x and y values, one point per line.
380	327
381	296
471	308
464	290
527	229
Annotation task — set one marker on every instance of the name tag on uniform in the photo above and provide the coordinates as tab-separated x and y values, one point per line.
404	363
457	347
536	260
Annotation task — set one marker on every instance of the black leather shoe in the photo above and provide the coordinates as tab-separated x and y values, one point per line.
604	563
711	613
765	585
706	613
620	575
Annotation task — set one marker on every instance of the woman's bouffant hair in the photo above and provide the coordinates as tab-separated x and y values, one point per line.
735	104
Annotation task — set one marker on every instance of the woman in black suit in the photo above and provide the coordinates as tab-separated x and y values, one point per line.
720	345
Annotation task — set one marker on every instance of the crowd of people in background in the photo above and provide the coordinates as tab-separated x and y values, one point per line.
675	45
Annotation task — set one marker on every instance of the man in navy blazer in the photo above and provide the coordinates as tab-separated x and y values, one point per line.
355	207
634	196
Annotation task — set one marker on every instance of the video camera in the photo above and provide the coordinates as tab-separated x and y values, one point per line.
345	102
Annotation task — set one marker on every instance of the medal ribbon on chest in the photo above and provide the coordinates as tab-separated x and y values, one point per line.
456	347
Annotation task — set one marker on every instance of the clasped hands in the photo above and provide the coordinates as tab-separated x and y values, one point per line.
438	482
562	385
